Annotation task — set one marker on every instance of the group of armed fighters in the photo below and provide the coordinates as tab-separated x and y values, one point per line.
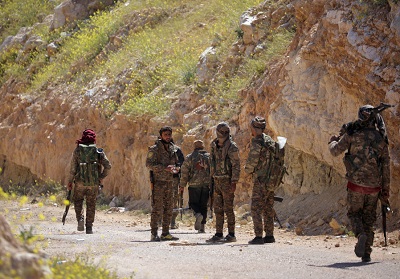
217	173
212	177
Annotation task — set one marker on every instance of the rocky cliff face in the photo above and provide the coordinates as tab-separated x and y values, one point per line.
344	54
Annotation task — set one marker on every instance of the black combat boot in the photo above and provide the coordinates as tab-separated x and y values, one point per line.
89	229
359	250
366	258
269	239
257	240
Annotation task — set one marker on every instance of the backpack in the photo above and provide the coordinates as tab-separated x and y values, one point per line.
366	156
200	161
276	168
89	164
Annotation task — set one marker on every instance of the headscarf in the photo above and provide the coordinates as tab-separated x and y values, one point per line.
364	112
365	115
88	137
223	130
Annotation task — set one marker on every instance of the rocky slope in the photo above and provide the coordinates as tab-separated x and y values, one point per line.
344	54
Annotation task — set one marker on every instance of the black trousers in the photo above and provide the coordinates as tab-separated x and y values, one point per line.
198	200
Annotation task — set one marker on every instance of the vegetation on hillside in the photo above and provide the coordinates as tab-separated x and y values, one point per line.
15	14
156	60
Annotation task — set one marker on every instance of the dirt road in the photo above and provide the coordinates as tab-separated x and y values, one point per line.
121	242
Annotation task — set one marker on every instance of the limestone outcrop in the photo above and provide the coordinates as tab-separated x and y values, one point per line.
17	261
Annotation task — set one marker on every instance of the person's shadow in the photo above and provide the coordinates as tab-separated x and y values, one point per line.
345	265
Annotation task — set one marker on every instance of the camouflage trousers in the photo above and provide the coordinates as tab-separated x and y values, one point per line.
175	198
362	215
89	193
223	204
262	207
162	206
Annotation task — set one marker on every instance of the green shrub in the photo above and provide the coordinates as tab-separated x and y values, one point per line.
82	267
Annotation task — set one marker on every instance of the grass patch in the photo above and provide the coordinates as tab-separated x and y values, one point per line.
82	267
15	14
225	93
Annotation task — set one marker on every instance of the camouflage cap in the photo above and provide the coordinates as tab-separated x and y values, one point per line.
259	122
198	144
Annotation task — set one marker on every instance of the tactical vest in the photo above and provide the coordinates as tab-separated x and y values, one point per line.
89	164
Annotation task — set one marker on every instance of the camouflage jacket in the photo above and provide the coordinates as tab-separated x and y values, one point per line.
225	160
159	157
195	170
74	169
261	151
367	160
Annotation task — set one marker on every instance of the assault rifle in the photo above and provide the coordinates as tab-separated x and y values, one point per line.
180	209
152	187
181	200
385	207
278	199
70	195
212	186
357	125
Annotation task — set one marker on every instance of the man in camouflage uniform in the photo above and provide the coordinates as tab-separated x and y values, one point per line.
87	176
260	157
225	170
367	165
162	160
196	173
